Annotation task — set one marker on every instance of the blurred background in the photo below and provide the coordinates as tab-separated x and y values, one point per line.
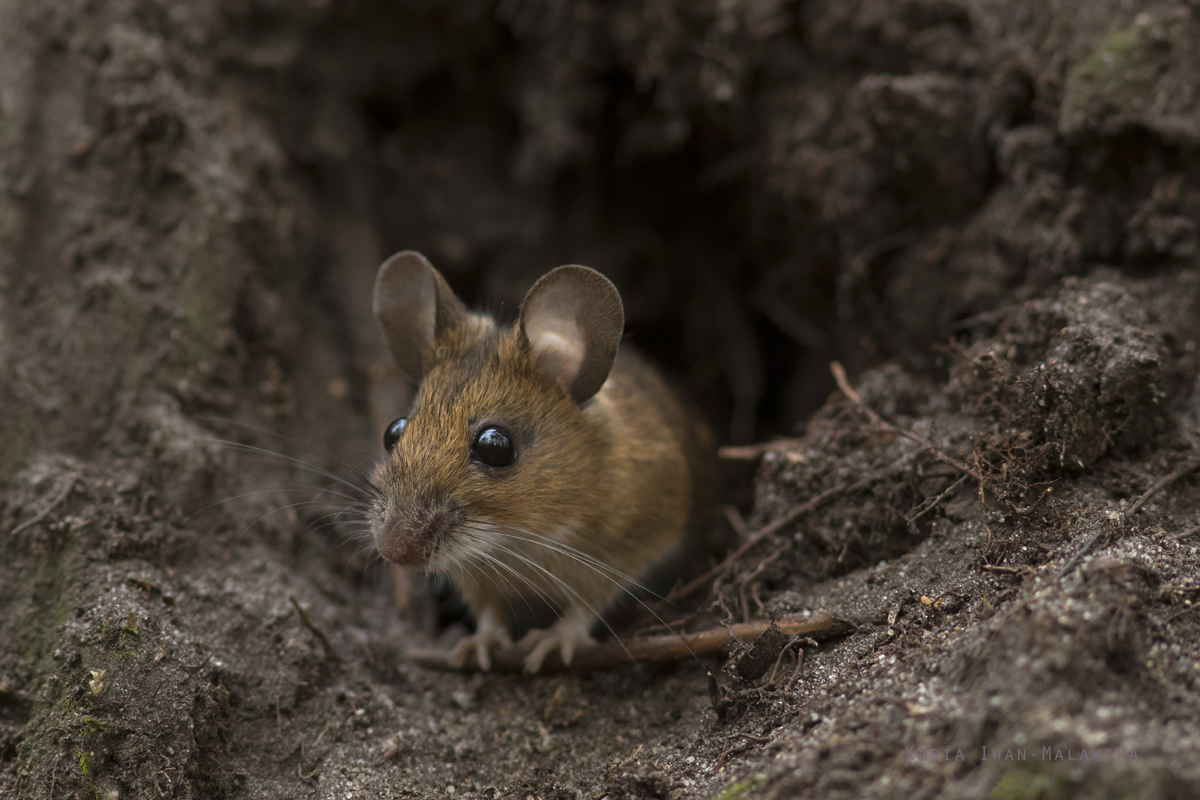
206	190
749	174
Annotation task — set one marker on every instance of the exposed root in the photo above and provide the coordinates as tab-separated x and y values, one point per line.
607	655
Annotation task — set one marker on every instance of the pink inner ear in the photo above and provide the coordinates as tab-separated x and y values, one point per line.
559	350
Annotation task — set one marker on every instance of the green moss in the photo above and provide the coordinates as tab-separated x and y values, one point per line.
91	726
58	576
198	320
1110	56
17	445
1023	784
739	789
85	762
1050	782
1117	79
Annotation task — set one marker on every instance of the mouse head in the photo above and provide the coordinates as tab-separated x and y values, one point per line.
496	444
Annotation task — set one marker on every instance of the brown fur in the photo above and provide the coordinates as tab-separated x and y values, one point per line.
615	482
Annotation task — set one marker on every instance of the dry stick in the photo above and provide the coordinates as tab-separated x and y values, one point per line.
608	655
724	752
779	658
1181	613
1004	570
1029	509
1095	538
839	375
1174	476
329	651
41	515
796	671
775	526
933	504
749	452
734	517
754	738
983	504
1189	532
762	565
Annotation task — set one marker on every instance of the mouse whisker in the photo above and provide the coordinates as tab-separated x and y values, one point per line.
498	570
260	492
494	572
366	488
607	570
563	547
553	579
559	581
583	558
356	473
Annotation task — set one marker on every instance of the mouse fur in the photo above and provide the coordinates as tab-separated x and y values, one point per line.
611	471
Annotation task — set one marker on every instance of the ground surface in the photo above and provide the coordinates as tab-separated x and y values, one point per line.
985	209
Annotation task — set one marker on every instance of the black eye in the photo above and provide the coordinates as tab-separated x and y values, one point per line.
391	433
494	448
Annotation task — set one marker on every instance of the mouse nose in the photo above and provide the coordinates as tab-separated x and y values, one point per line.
409	541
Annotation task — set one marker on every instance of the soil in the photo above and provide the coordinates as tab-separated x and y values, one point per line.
985	209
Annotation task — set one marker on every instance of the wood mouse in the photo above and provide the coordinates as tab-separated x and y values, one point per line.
538	461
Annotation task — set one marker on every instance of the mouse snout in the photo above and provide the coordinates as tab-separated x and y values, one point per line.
410	540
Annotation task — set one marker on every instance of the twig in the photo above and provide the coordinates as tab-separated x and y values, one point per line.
1090	544
773	527
759	604
796	670
762	565
724	752
930	505
41	515
839	375
1189	532
755	738
983	505
779	659
1174	476
329	651
1003	570
1029	509
608	655
1181	612
749	452
734	517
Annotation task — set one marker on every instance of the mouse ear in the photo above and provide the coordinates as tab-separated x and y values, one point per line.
413	306
573	319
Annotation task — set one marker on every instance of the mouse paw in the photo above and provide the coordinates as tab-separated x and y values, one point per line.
490	634
569	633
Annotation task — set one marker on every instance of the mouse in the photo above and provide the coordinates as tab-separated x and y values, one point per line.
540	462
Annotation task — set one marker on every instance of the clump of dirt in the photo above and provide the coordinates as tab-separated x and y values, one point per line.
985	211
1038	614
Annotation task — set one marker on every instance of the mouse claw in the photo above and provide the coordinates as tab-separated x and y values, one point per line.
491	634
569	633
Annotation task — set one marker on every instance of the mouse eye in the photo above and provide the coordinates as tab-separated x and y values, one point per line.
494	447
391	434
